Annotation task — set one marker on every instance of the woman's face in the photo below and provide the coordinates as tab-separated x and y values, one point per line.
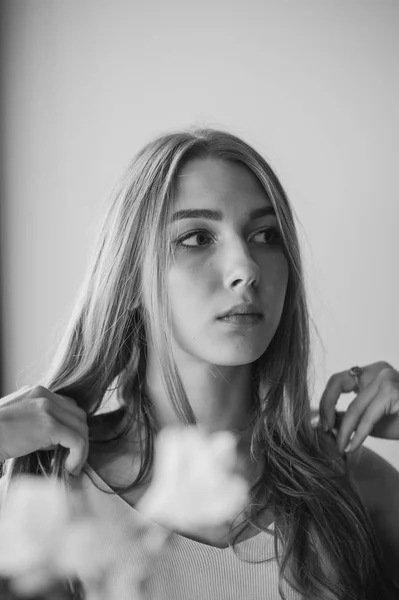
227	260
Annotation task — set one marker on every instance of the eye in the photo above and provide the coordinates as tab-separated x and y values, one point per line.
198	233
272	234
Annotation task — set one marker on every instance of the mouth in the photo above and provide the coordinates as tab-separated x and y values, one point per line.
242	319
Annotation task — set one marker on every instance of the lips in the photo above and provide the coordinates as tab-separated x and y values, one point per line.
248	309
241	319
240	315
241	309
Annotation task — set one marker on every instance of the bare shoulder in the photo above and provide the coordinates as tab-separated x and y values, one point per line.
377	483
376	480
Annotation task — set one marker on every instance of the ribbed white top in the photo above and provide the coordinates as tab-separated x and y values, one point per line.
186	569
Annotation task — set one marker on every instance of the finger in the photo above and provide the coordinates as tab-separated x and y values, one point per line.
339	417
72	421
72	441
65	411
39	392
372	414
355	412
81	429
338	384
65	402
76	424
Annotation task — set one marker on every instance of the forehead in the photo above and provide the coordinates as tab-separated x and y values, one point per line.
215	180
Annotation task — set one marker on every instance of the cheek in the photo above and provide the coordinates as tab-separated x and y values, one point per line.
186	289
275	287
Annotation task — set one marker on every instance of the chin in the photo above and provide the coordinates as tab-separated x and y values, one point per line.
237	357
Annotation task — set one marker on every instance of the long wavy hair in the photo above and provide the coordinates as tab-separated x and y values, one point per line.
324	540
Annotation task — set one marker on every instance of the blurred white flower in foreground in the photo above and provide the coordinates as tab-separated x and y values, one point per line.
43	539
194	484
48	534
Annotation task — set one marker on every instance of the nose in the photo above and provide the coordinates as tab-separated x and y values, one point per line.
241	271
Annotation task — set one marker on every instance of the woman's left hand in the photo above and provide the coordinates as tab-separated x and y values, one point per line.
374	411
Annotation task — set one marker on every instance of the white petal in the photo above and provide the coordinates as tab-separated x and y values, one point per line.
193	484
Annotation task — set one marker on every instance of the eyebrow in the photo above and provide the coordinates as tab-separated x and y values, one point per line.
217	215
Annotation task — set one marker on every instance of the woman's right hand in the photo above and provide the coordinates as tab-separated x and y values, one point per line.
33	418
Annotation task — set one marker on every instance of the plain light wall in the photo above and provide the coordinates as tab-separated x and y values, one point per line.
312	85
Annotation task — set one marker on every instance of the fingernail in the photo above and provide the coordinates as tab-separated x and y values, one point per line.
348	447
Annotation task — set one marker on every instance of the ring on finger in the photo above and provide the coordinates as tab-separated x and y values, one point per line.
356	372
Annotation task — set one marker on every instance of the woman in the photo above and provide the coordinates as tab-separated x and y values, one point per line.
200	227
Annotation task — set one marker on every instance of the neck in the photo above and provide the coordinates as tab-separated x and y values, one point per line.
222	398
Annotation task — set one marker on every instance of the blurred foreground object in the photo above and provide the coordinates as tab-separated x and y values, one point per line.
46	537
49	535
194	484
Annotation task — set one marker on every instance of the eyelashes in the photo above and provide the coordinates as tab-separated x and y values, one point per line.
271	231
